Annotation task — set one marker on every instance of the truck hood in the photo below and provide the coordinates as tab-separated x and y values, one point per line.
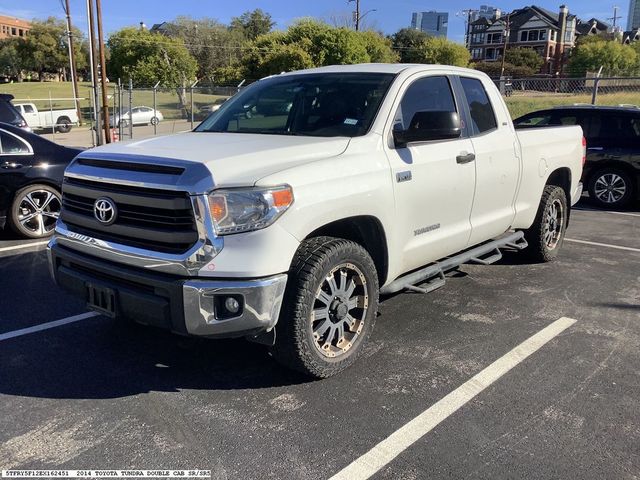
234	159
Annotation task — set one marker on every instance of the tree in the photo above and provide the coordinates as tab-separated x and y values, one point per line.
312	44
11	62
44	49
409	42
524	57
613	57
147	58
415	46
215	47
253	24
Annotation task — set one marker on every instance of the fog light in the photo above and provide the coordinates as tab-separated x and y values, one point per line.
232	305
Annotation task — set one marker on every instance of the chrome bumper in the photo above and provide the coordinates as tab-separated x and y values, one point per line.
260	305
575	197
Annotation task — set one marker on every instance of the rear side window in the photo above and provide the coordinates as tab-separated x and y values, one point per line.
535	120
482	115
9	113
428	94
27	108
11	145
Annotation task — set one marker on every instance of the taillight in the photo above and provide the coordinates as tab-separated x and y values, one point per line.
584	151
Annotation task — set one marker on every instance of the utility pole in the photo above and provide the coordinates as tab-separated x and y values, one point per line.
615	17
72	61
94	71
506	44
103	74
356	14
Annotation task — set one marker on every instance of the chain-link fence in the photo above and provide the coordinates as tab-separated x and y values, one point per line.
529	94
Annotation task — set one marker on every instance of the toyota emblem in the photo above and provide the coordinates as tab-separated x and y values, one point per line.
104	210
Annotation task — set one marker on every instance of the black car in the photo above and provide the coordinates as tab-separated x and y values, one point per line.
31	171
10	114
612	171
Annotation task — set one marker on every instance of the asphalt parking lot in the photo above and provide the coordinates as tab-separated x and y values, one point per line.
98	394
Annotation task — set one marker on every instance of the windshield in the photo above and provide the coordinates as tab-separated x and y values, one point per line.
319	105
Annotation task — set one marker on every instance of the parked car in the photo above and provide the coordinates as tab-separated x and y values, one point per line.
612	171
9	114
61	119
139	116
31	171
285	225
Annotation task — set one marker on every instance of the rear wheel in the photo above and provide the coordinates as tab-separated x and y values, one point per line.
611	188
546	235
35	210
330	307
155	120
63	125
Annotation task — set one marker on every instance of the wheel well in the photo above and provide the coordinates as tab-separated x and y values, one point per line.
562	178
63	117
365	230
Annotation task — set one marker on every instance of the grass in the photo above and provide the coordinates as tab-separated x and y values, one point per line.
40	92
167	100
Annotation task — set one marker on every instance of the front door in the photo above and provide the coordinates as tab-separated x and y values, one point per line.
434	181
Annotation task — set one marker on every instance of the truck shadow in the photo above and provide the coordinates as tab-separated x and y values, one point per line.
100	358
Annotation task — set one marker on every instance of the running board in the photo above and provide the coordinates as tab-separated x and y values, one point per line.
433	276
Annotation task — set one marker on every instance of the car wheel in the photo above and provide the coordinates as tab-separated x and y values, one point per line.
610	188
63	125
330	307
546	235
35	210
155	120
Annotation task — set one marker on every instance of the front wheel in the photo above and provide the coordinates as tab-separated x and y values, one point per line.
610	188
330	307
546	235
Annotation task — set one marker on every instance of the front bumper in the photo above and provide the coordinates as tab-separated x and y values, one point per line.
575	196
185	306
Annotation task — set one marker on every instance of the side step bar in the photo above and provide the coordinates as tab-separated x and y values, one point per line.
432	276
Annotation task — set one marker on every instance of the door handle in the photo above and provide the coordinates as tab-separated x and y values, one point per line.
465	158
8	165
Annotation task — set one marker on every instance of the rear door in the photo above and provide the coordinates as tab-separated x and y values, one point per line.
497	165
433	190
16	157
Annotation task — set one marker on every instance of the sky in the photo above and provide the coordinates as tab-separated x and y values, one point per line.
389	15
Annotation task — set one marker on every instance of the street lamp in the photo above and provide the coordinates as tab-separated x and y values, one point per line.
357	17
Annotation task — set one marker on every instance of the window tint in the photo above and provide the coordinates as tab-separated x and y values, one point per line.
10	145
536	120
27	108
321	105
482	115
429	94
9	114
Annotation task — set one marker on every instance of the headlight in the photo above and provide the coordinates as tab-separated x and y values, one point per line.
244	210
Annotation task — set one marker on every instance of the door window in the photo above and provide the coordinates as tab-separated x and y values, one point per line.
482	114
535	120
428	94
11	145
27	108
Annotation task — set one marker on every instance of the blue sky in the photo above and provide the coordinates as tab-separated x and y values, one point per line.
390	15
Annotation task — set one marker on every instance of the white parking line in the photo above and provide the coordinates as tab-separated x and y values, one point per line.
607	211
24	245
597	244
385	451
46	326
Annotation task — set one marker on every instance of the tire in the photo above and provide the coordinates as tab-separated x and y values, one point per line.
63	125
546	235
154	121
34	211
611	188
324	325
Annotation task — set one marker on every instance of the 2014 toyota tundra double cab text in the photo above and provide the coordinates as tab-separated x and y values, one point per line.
284	215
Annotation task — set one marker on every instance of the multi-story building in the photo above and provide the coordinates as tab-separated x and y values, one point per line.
486	11
433	23
633	19
551	35
13	27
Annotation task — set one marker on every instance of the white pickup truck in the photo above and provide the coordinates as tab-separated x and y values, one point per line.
62	120
284	214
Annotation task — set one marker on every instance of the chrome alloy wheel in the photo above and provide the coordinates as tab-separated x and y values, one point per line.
554	223
38	211
339	310
610	188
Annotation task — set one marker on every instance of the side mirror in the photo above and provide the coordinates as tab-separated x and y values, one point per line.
427	126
